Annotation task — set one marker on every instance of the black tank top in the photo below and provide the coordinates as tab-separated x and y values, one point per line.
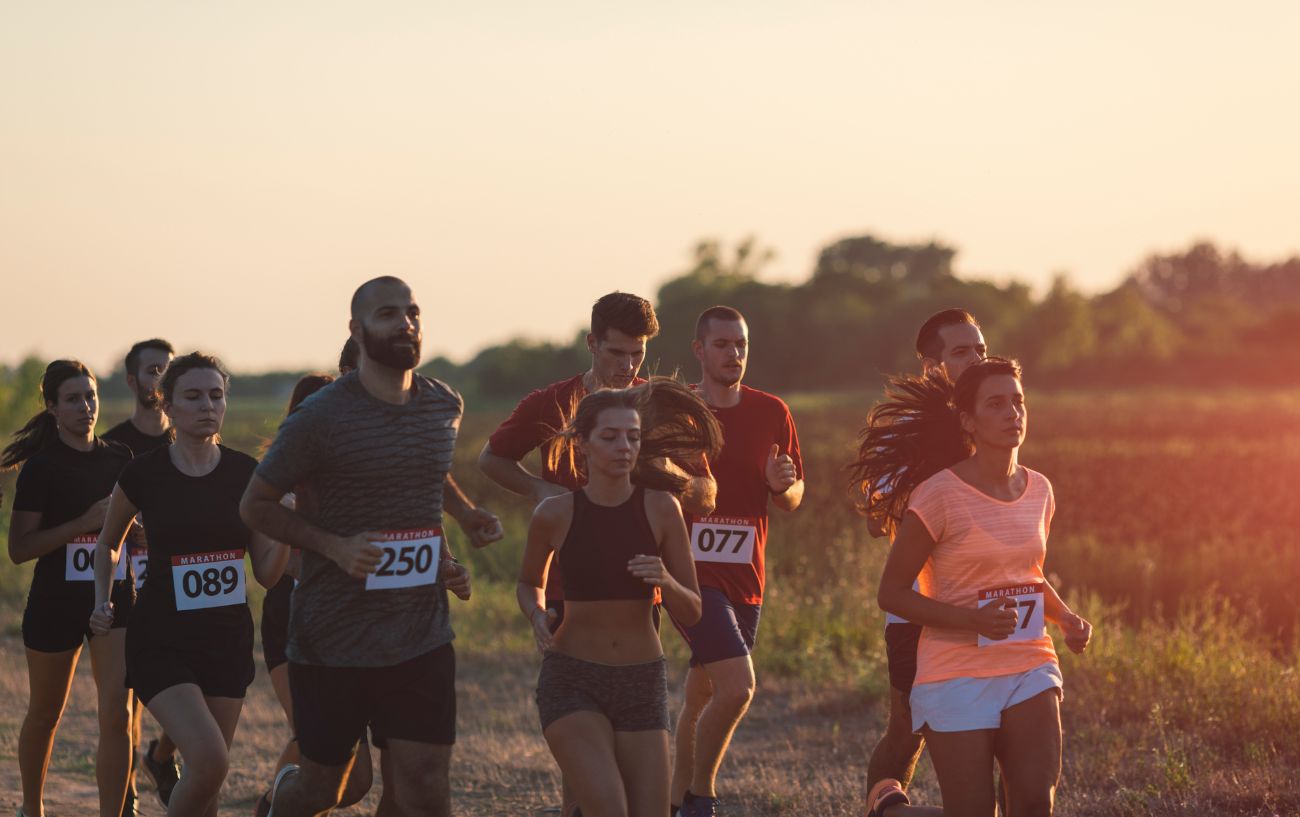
601	540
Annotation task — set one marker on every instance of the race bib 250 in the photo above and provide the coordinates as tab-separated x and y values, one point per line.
411	559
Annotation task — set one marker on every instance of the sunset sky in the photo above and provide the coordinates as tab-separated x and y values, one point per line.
225	174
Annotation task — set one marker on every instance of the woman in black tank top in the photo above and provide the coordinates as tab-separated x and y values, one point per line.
602	694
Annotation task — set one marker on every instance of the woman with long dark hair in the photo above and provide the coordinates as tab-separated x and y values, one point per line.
602	694
59	505
971	523
189	645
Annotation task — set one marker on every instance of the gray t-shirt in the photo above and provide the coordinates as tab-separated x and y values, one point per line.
360	464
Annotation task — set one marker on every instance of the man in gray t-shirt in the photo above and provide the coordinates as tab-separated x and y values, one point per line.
369	636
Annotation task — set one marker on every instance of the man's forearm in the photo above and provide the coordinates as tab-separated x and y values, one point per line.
454	501
790	498
277	522
509	474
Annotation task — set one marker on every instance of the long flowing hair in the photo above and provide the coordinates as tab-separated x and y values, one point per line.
42	429
913	434
676	425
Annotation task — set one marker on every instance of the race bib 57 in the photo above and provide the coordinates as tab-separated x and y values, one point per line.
204	580
724	539
1030	618
411	559
81	560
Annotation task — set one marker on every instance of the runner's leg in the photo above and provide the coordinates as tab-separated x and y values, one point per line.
201	738
643	763
698	691
49	677
733	688
583	746
899	748
113	755
420	777
963	762
1028	748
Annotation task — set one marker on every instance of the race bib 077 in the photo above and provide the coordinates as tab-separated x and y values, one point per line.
411	559
724	539
81	560
205	580
1030	618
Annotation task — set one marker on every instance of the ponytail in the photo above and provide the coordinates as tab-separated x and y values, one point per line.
42	429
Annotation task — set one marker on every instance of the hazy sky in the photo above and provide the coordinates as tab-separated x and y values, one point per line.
225	174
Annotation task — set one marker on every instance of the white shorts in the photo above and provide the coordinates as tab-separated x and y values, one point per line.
966	704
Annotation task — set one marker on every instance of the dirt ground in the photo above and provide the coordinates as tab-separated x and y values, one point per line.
800	751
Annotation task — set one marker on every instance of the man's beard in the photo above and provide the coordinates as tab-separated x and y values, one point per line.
386	352
149	398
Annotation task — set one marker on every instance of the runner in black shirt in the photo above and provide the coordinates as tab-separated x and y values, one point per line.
190	644
59	505
144	431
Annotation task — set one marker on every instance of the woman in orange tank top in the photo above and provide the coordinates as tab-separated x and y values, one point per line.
971	528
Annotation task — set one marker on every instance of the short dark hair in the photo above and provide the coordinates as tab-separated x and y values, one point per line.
928	342
721	313
188	363
359	297
350	357
133	356
628	313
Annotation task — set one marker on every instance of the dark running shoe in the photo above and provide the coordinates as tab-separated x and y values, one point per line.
130	806
165	774
700	806
284	774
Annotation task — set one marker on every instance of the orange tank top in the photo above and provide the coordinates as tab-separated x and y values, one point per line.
985	549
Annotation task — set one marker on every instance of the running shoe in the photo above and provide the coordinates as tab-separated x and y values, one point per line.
130	806
165	774
263	807
700	806
886	793
289	770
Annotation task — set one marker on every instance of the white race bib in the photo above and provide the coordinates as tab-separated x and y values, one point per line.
204	580
724	539
140	564
1031	622
81	560
411	559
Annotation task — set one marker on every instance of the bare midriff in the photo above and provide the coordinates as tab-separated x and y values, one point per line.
617	632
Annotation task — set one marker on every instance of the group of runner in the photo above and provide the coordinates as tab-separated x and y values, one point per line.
651	495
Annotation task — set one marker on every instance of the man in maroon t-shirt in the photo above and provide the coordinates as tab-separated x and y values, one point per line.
759	462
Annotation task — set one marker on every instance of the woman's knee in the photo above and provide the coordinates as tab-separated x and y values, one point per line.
207	764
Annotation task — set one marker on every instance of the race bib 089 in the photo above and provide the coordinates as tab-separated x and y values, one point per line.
411	559
81	560
724	539
204	580
1030	619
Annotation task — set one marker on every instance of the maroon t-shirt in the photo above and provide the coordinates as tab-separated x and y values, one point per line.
729	544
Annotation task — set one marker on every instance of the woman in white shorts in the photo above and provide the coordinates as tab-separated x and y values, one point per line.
974	534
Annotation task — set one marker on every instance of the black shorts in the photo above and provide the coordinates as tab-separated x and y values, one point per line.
59	624
725	629
275	623
634	697
901	640
414	700
221	672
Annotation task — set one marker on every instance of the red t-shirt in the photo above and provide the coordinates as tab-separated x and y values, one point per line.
537	419
729	544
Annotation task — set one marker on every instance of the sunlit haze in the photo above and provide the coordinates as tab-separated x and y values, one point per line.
225	174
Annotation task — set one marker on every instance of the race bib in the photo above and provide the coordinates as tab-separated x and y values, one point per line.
724	539
411	559
81	560
1031	621
204	580
140	565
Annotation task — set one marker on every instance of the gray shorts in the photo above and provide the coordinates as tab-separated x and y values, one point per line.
634	697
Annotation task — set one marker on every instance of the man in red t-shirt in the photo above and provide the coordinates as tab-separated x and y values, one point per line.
759	462
621	324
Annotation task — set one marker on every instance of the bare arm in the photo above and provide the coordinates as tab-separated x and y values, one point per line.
1077	630
701	494
27	541
674	572
783	480
514	477
116	523
911	548
790	498
549	517
262	511
479	524
270	558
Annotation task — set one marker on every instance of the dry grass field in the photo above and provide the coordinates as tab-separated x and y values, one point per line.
1176	533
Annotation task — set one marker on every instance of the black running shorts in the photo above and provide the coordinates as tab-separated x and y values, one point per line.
901	640
54	624
219	673
414	700
634	698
